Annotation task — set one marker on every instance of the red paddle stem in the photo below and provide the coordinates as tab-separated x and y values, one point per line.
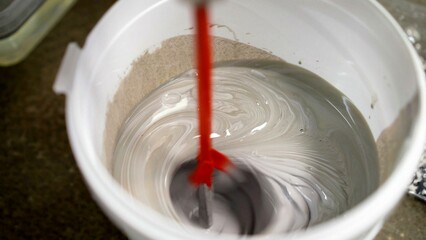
203	174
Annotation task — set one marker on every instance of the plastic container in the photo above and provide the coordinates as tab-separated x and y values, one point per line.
23	24
355	45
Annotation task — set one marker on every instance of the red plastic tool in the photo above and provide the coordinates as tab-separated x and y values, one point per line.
208	158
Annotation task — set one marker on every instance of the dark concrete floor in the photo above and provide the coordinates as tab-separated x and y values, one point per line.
42	194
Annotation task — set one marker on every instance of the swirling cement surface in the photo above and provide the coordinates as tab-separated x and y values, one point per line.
304	136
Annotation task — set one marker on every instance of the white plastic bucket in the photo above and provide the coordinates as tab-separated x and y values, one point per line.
355	45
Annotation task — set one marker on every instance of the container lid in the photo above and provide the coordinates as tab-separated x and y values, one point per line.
14	13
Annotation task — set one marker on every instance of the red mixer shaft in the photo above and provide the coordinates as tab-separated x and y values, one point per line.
208	158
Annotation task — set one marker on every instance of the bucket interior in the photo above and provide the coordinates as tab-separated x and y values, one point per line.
356	50
348	43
